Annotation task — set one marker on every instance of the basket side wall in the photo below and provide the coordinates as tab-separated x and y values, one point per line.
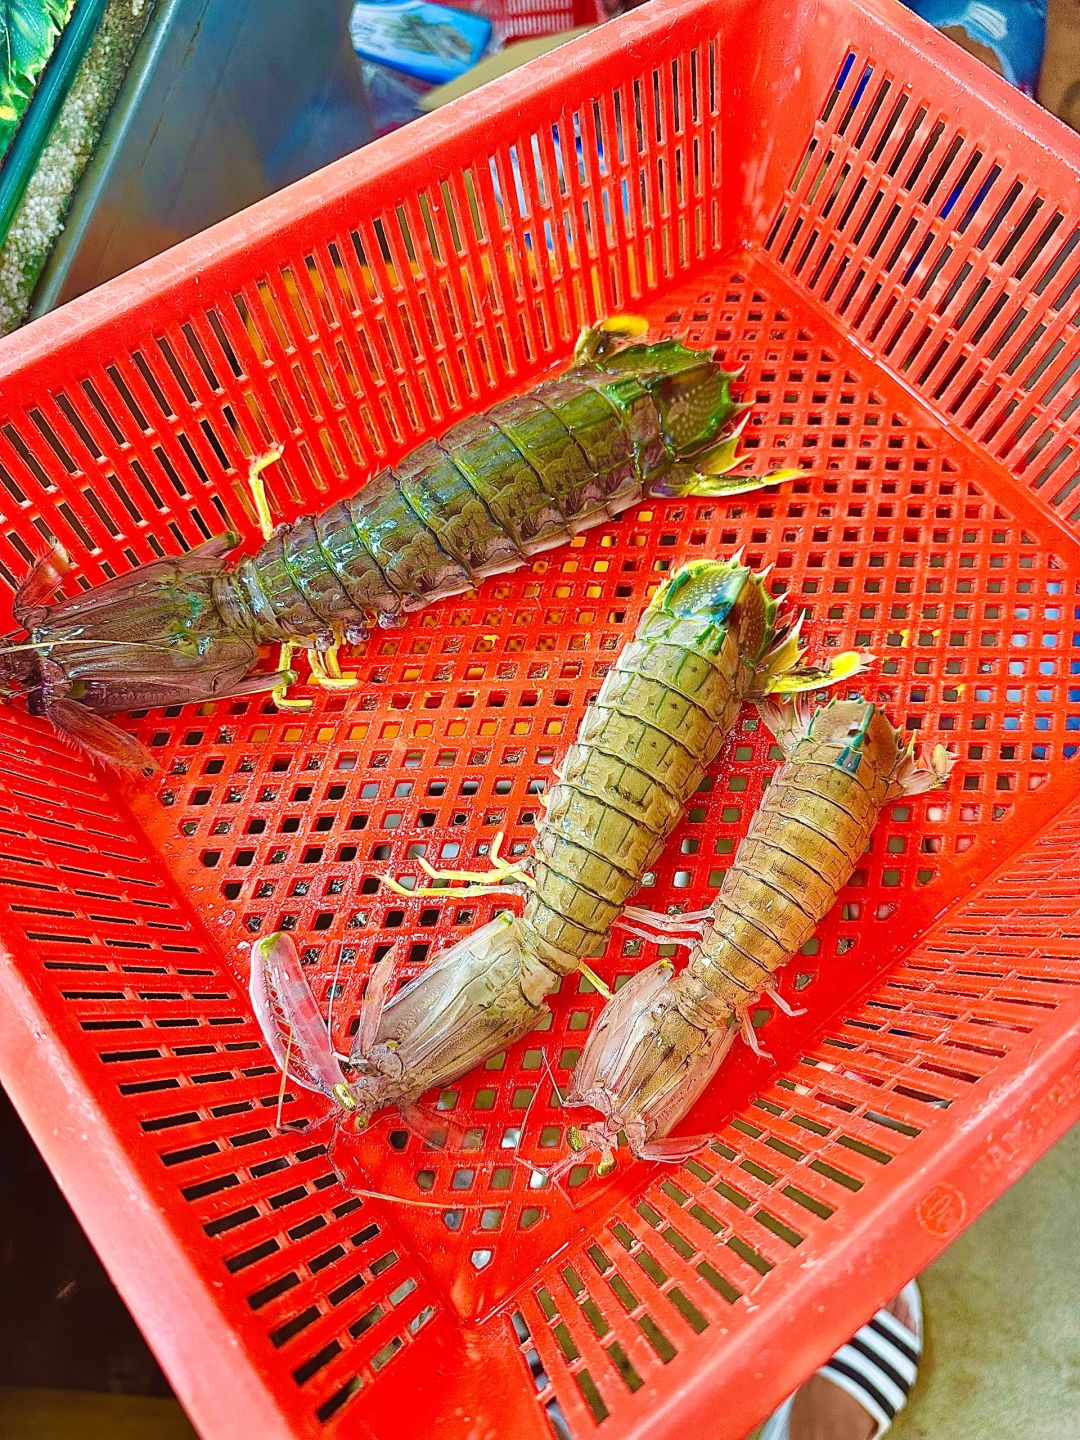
358	311
110	996
938	223
348	318
128	1045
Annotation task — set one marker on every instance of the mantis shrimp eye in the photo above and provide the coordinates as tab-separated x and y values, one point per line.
575	1139
607	1164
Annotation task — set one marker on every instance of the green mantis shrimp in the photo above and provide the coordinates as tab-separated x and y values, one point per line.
626	420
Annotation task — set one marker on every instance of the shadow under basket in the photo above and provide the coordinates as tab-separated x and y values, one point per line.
878	230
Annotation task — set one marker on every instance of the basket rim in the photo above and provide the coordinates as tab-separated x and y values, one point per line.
451	131
85	1139
144	1247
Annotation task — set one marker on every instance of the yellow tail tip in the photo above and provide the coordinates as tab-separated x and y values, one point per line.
849	663
630	325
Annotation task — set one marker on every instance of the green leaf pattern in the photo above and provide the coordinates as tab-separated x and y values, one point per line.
29	30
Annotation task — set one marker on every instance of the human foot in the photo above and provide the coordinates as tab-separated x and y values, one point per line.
856	1394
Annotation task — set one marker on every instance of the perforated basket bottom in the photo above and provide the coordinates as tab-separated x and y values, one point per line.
902	539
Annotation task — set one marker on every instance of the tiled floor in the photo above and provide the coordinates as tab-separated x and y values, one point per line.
1003	1318
67	1414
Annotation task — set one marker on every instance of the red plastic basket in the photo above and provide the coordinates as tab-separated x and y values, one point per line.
525	19
881	233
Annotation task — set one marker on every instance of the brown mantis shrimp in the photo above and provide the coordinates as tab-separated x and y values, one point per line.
710	639
626	420
660	1040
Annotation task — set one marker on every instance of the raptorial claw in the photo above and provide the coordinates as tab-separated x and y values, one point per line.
39	587
374	1003
100	737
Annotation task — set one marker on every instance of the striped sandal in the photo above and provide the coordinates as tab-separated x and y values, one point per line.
877	1367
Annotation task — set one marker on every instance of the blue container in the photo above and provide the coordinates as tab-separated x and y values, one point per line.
430	42
1015	30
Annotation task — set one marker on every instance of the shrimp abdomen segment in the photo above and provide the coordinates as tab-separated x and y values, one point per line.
659	719
600	433
312	579
510	486
408	554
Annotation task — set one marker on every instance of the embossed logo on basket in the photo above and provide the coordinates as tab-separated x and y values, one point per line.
942	1210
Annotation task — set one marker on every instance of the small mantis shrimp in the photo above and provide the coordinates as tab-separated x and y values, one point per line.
660	1040
710	639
